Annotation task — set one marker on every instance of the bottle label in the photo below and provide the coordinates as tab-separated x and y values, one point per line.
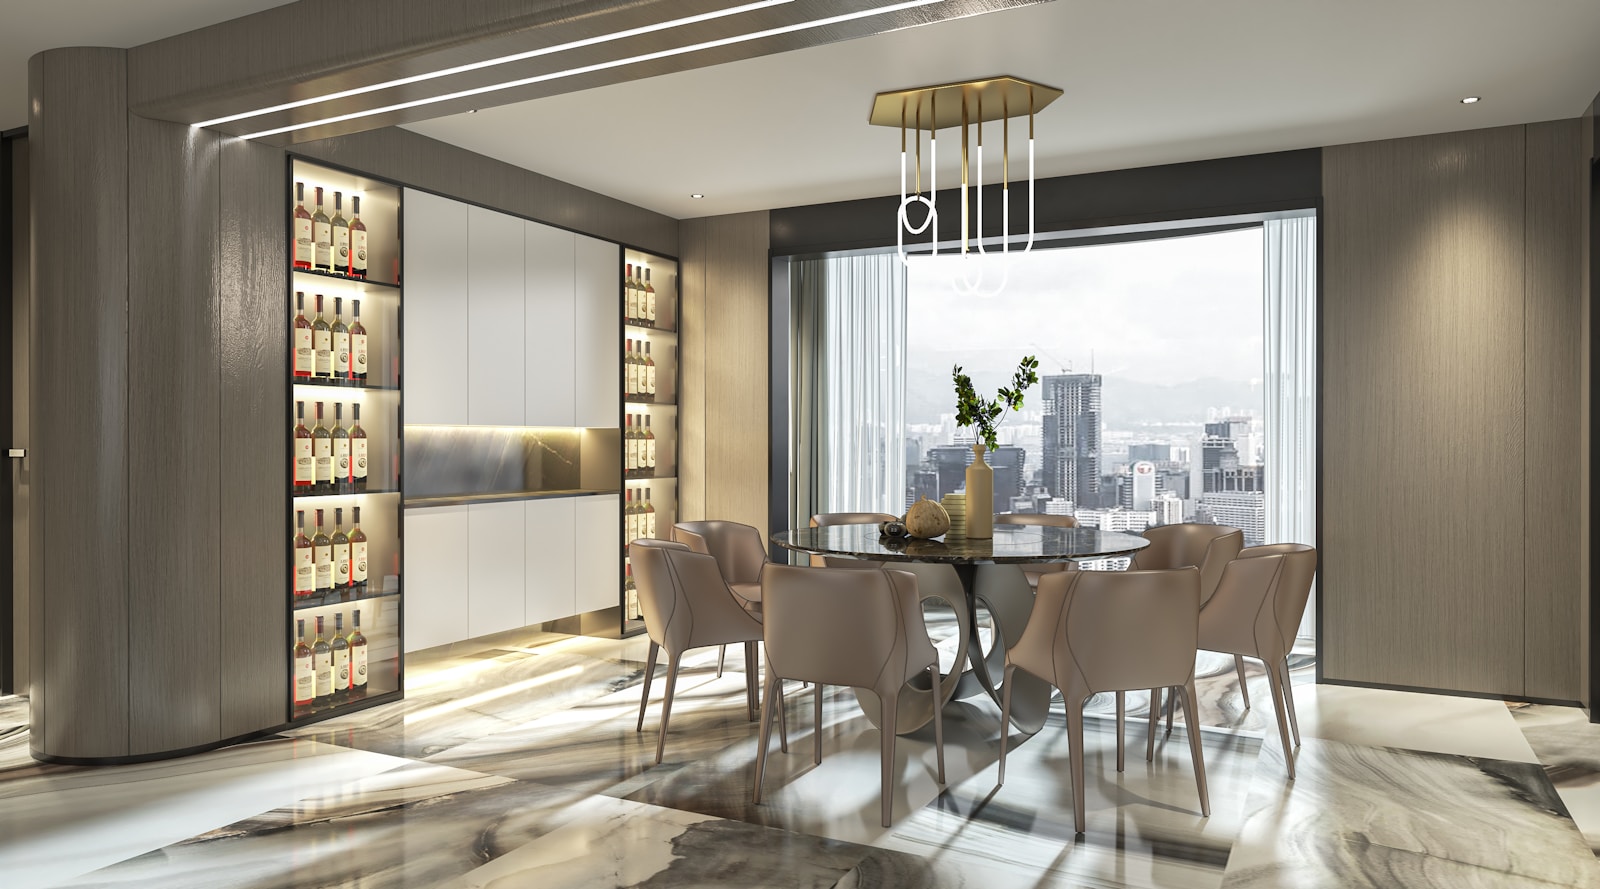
304	472
321	232
324	560
341	668
358	354
341	459
633	455
358	562
650	305
358	458
650	453
304	573
322	452
633	379
302	241
341	564
324	672
649	529
650	379
358	250
305	680
304	355
341	247
632	528
322	346
358	666
341	353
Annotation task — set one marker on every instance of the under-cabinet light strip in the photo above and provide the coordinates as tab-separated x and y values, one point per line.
502	60
600	66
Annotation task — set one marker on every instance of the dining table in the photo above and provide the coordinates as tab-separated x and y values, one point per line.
972	575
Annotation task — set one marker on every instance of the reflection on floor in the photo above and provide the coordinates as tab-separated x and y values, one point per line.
516	763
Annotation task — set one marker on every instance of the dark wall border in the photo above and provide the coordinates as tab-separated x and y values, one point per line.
8	657
1593	701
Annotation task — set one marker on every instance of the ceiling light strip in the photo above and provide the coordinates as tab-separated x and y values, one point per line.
600	66
502	60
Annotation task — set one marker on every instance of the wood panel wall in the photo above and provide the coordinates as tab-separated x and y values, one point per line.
1452	528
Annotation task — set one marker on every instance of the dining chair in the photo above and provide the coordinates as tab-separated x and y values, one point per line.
862	629
1203	546
826	519
1036	570
739	554
1256	613
686	604
1094	631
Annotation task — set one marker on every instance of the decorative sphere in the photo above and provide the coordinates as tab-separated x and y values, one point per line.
926	519
892	529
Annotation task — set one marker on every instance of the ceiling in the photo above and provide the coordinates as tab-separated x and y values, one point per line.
1147	82
31	26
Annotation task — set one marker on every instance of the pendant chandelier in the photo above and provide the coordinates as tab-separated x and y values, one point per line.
966	105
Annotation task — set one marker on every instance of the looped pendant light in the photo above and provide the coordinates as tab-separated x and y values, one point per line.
967	105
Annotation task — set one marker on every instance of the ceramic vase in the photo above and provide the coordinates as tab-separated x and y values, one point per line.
980	496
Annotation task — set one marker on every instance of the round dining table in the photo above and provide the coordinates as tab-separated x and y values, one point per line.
987	577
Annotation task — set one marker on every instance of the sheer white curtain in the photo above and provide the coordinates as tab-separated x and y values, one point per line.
848	423
1291	386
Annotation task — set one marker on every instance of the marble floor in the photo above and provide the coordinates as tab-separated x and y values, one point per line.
514	762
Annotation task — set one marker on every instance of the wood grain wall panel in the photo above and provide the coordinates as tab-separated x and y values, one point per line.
1553	461
1423	417
254	356
174	447
692	368
736	296
22	504
78	130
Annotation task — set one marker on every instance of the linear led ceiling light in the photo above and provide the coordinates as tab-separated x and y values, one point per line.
599	66
502	60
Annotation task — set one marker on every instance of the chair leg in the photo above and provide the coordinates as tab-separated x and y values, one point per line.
1288	701
816	722
1275	682
938	719
666	705
1155	715
783	717
1171	693
750	678
722	654
1005	718
766	734
649	674
1191	725
1244	689
1074	702
1122	713
891	708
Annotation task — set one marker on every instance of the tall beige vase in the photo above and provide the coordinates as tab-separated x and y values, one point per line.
980	496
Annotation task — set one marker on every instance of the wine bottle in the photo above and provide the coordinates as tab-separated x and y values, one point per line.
649	448
649	300
304	561
302	249
630	296
630	519
358	240
322	557
630	595
305	357
358	555
322	664
358	453
358	345
322	456
305	472
648	528
341	343
630	386
649	386
322	236
630	450
358	654
341	658
341	553
305	675
341	235
322	346
343	482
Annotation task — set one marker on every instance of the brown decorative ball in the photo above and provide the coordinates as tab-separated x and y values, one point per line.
926	519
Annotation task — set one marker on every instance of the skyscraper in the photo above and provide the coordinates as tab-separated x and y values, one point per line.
1072	437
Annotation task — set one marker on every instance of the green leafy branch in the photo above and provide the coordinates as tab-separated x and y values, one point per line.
987	414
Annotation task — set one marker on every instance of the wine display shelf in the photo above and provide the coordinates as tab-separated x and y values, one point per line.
336	598
369	492
362	282
337	386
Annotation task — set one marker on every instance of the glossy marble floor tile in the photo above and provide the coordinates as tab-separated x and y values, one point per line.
1568	746
1376	717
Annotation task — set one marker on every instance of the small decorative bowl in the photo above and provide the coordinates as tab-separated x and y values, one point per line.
895	530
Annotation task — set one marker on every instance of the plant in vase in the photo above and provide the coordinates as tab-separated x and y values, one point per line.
986	415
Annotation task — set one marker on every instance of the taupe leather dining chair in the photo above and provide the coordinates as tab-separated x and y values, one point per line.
1256	613
1034	571
685	605
1207	547
825	519
739	554
1094	631
861	629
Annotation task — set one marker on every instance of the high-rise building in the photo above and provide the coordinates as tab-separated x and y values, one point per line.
1155	453
949	465
1072	437
1244	510
1009	465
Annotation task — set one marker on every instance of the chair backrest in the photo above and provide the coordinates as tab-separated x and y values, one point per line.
857	628
737	548
1114	630
682	596
1260	600
1207	547
825	519
1035	518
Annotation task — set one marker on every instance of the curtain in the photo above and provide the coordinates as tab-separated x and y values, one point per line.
1291	387
848	329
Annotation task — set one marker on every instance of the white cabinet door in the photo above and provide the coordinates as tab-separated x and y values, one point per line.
599	297
549	257
599	552
551	560
495	318
495	565
436	576
435	372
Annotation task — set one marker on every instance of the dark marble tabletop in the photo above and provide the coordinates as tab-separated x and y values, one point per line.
1011	543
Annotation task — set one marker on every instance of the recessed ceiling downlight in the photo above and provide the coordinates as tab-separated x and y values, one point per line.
1470	100
697	196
